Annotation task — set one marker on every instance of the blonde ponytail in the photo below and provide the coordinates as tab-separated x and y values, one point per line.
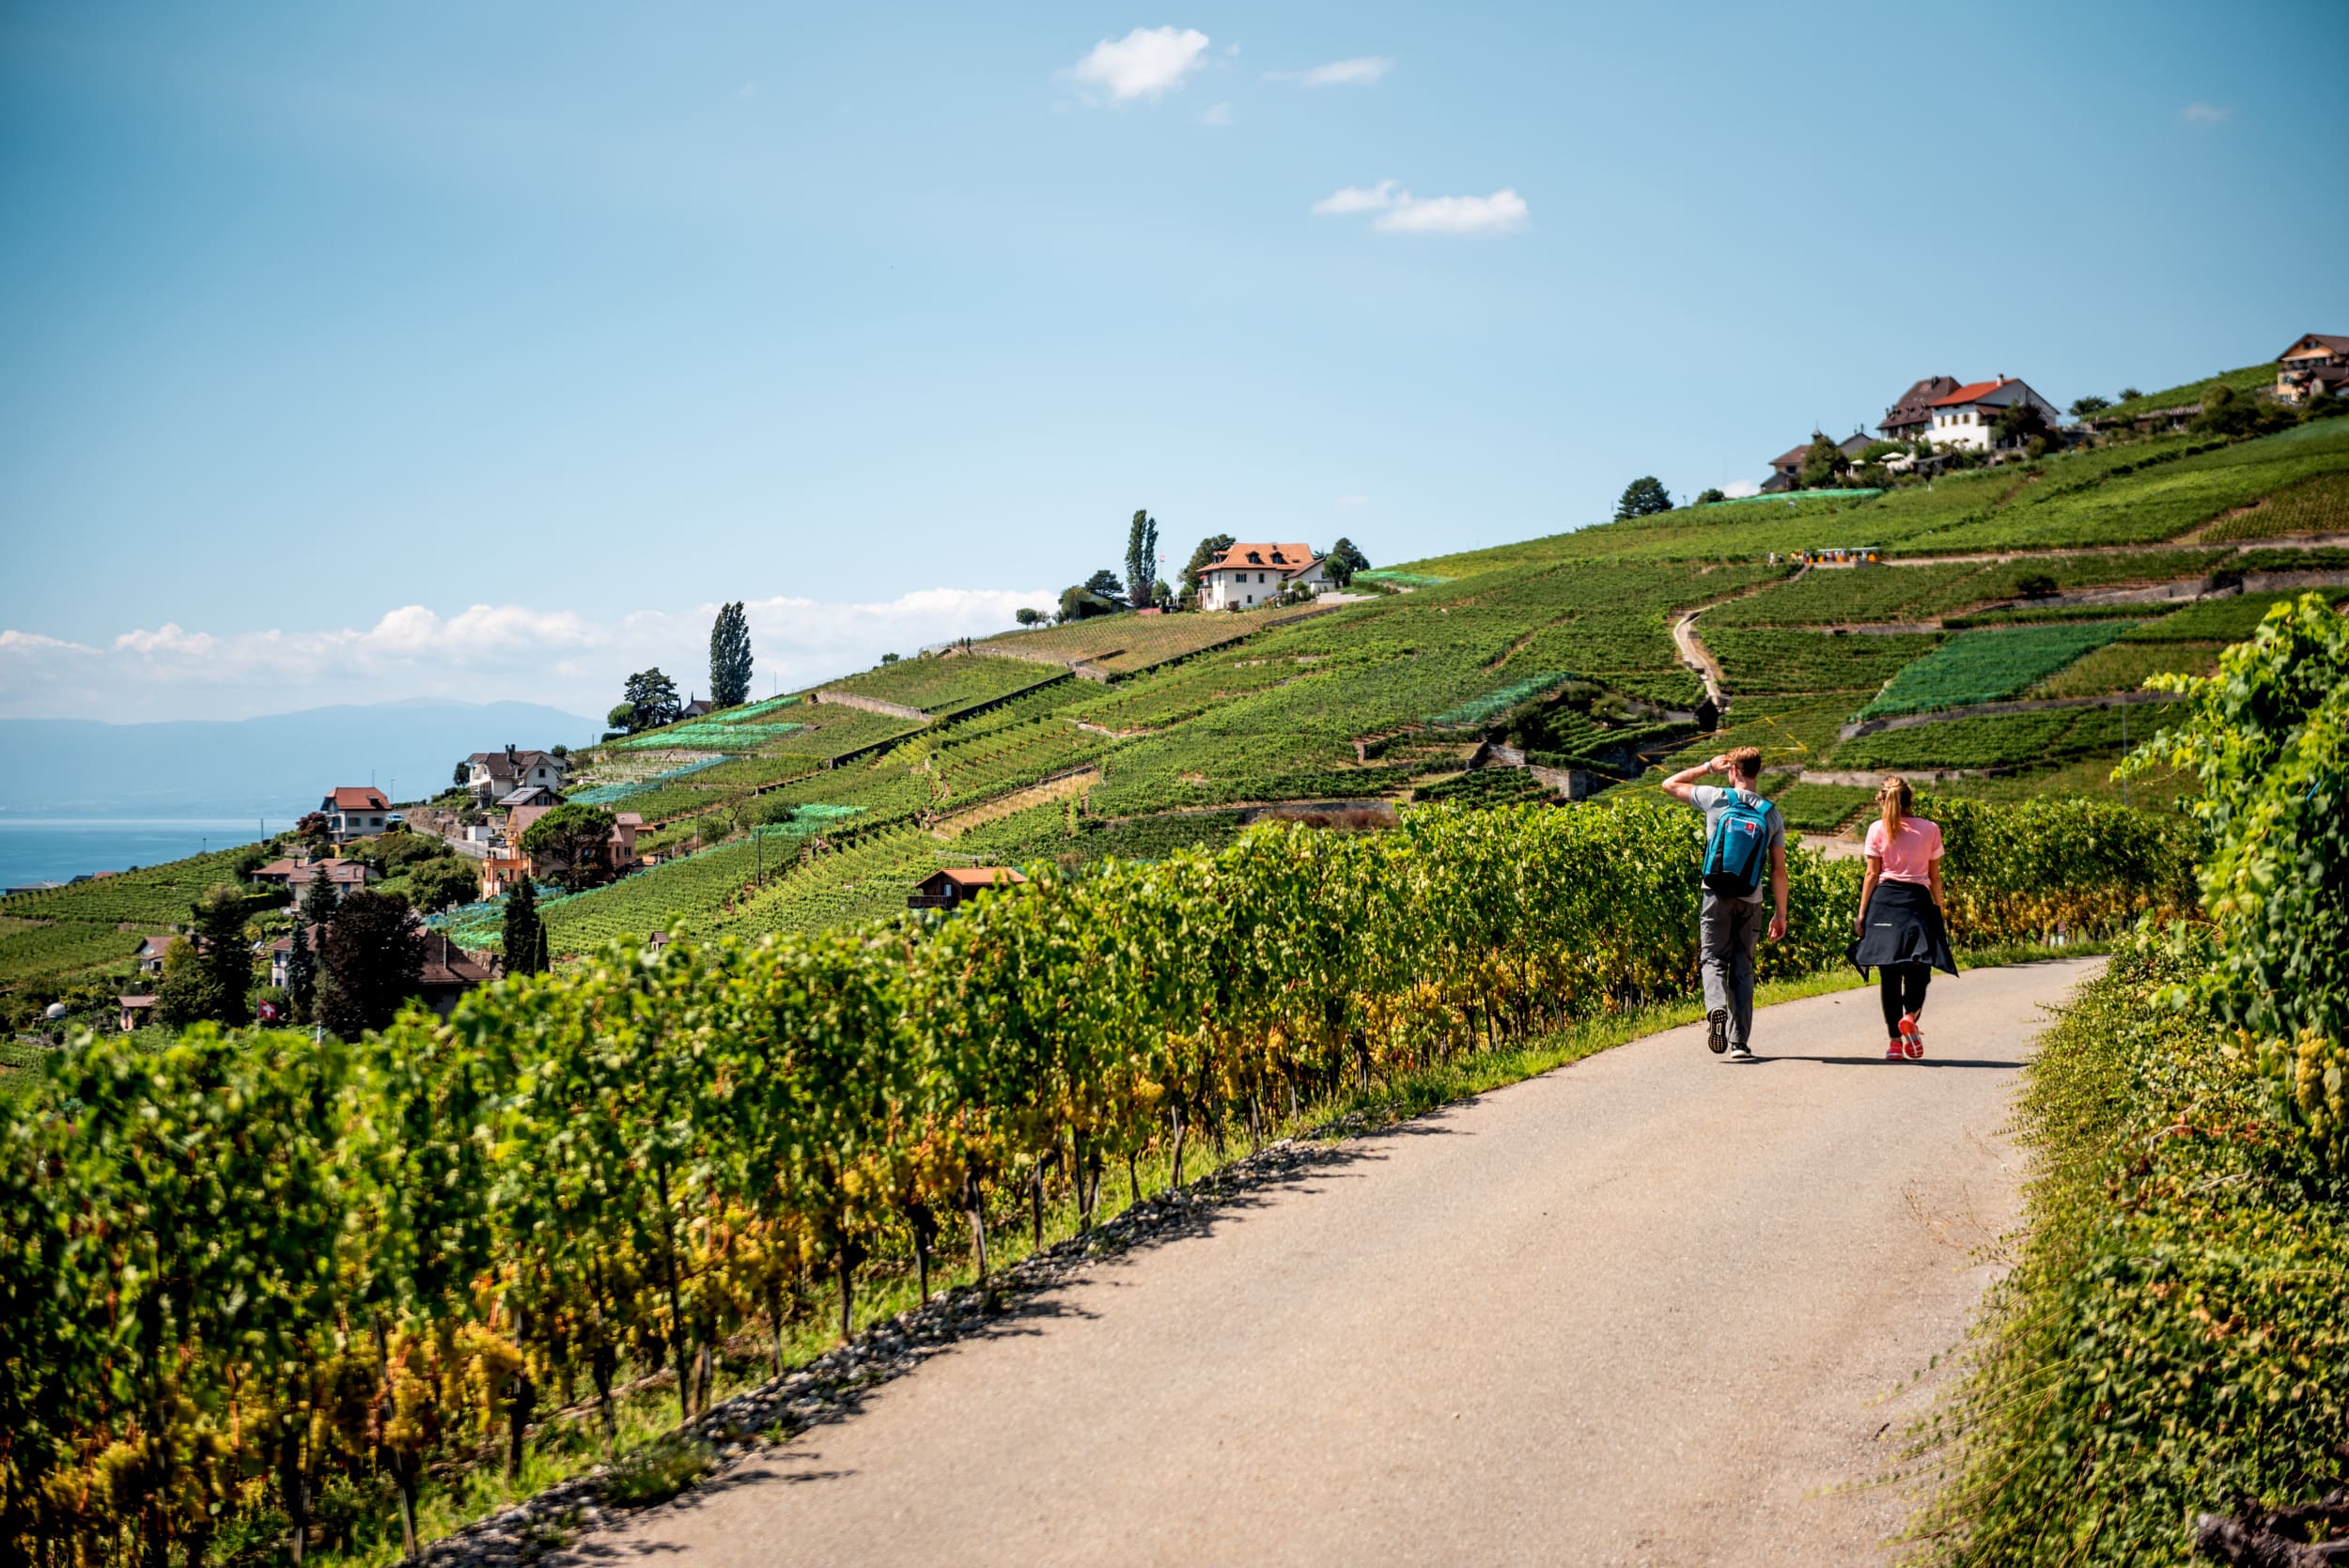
1898	801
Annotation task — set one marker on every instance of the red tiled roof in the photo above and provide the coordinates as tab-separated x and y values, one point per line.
980	876
446	964
1294	558
358	797
1970	392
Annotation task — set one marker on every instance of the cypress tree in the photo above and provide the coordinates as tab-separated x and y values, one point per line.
1142	559
525	933
227	960
730	658
301	968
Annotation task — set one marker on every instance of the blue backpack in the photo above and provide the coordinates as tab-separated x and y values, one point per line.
1738	854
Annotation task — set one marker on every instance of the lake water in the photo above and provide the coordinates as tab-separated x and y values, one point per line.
57	849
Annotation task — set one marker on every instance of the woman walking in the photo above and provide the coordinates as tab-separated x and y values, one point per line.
1899	931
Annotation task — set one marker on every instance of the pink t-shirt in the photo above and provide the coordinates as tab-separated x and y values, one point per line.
1909	857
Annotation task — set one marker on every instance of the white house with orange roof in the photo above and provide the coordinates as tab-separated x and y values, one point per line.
1253	574
355	811
1969	416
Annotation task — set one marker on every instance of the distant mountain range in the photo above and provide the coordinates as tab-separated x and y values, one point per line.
274	766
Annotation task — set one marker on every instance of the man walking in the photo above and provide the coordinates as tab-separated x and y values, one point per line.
1742	833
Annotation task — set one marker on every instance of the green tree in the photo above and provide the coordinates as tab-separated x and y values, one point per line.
1142	558
373	957
444	883
572	844
1710	496
1643	498
1824	465
2021	423
1209	548
462	776
1082	602
1104	582
226	951
650	699
2084	407
1344	560
730	658
525	933
301	966
1029	617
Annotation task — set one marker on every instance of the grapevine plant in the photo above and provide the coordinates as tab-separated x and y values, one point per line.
246	1274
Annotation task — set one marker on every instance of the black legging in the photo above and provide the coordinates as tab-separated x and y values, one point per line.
1902	990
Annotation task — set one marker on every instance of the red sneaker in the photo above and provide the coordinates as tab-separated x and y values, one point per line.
1912	1038
1894	1050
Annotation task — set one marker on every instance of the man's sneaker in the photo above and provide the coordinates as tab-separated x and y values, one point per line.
1895	1050
1717	1031
1912	1038
1739	1053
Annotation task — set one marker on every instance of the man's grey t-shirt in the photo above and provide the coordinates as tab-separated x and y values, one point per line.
1712	800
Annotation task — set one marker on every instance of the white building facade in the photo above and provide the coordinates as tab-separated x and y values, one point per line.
1247	575
1968	417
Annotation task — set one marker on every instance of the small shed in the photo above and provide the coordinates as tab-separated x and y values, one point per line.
134	1011
948	889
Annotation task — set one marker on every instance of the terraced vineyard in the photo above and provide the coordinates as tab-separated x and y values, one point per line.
1127	644
1984	666
941	685
1567	637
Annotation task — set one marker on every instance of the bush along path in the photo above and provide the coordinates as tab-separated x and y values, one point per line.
256	1290
2165	1367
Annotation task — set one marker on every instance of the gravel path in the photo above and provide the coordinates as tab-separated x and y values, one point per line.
1653	1308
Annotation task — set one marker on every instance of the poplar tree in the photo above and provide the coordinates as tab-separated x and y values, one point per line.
730	658
1142	559
525	933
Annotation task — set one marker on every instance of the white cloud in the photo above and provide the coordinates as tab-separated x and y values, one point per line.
2202	114
1145	63
1502	212
1401	213
1216	114
1740	490
481	653
1350	501
1360	199
1358	72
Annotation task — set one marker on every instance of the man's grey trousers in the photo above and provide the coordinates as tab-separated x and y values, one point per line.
1729	930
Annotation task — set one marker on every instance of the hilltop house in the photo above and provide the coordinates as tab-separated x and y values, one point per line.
492	774
500	871
1248	574
1912	416
2317	365
1786	471
281	954
1968	417
353	811
951	887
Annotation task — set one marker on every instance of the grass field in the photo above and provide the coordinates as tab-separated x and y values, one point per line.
2250	377
2317	505
1129	644
2126	666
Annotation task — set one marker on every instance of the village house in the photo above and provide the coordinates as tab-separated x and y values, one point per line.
449	973
951	887
149	957
132	1012
1968	417
1251	574
500	872
2317	365
294	874
491	775
1786	468
353	811
1912	416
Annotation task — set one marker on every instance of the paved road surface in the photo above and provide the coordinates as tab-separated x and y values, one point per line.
1654	1307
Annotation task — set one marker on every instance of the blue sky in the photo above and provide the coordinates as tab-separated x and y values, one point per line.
358	353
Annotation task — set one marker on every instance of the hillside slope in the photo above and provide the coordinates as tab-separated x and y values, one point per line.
2018	606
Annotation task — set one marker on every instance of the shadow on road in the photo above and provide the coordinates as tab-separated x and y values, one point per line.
1880	1062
